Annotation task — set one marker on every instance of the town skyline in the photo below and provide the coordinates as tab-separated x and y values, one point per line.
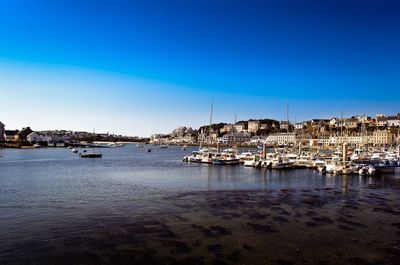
379	121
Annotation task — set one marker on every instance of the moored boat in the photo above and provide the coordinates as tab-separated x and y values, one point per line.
91	155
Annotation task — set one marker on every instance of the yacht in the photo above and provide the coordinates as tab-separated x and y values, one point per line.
305	160
282	162
227	157
357	154
207	156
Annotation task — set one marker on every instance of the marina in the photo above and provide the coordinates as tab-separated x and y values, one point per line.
348	161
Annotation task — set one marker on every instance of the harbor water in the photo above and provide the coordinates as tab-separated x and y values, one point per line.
137	207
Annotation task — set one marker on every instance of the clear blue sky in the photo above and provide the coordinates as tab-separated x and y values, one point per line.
141	67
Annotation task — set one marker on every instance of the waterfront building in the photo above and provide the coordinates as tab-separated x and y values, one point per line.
236	138
2	131
24	133
383	137
281	138
356	139
11	135
33	137
320	142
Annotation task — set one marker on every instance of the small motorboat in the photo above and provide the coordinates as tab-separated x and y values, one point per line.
91	155
74	151
37	146
139	146
163	146
148	150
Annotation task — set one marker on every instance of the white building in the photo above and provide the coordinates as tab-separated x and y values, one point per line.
257	140
299	125
253	126
383	137
36	137
393	121
281	138
240	127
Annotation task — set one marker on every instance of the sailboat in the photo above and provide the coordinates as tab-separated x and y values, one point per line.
203	155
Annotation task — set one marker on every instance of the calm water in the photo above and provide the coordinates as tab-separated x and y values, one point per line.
47	195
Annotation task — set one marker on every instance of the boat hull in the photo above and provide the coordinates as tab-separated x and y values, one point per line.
225	162
91	155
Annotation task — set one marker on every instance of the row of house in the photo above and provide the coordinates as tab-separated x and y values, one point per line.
275	132
14	135
376	138
55	136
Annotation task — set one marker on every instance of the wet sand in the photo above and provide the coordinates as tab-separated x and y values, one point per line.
287	226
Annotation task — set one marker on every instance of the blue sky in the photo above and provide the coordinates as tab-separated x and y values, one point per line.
141	67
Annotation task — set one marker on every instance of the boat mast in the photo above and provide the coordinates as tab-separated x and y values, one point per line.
211	114
287	120
341	129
